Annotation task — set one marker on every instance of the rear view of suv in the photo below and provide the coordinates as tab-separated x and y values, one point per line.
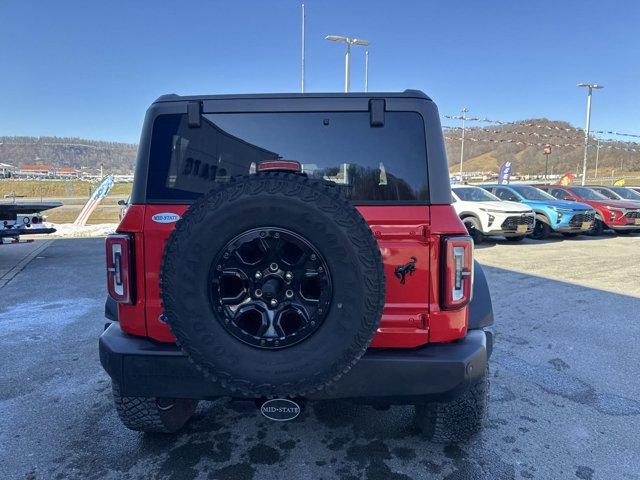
292	247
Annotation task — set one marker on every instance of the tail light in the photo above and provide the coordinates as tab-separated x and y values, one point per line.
458	272
280	166
119	268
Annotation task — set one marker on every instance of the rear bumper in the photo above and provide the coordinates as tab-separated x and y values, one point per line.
437	372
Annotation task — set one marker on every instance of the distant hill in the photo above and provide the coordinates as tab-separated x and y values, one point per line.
486	148
78	153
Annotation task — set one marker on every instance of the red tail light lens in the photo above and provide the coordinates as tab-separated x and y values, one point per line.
119	268
458	272
279	165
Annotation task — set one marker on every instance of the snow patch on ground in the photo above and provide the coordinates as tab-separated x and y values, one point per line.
36	320
69	230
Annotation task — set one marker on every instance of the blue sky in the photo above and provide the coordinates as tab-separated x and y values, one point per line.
90	69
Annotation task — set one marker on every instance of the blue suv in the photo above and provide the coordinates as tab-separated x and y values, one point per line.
552	215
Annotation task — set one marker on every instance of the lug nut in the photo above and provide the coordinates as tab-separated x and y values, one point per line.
313	256
257	292
273	302
273	267
258	275
288	276
289	293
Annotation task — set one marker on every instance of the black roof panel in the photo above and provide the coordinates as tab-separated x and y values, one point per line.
172	97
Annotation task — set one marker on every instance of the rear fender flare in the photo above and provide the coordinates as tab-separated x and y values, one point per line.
481	307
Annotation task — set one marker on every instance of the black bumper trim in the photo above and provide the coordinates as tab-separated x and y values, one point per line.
436	372
19	232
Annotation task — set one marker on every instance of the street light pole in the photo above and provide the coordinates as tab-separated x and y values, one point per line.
366	71
590	86
597	156
347	68
303	22
463	111
347	57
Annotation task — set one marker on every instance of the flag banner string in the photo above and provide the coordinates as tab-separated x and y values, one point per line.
449	128
546	127
540	144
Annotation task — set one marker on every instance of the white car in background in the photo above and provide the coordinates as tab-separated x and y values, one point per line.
485	215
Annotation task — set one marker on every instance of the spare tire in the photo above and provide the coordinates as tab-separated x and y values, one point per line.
273	284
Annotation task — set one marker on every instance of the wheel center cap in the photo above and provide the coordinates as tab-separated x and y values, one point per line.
271	287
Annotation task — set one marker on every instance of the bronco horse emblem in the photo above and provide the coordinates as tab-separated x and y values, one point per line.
402	270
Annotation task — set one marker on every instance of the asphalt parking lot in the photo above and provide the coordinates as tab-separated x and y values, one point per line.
565	383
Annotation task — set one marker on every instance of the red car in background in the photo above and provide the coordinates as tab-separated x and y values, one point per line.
621	216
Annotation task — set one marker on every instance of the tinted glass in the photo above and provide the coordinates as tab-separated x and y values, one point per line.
370	164
626	193
559	194
474	194
505	194
587	193
532	193
607	193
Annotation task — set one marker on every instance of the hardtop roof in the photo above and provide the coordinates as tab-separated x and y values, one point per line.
172	97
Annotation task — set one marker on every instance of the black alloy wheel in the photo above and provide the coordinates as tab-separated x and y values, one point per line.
271	286
474	229
597	228
541	230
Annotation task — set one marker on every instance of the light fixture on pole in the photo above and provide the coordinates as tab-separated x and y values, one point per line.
591	87
347	57
463	118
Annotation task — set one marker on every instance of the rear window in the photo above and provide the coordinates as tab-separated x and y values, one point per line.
370	164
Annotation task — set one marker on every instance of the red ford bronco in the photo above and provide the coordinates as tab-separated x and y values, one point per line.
291	247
